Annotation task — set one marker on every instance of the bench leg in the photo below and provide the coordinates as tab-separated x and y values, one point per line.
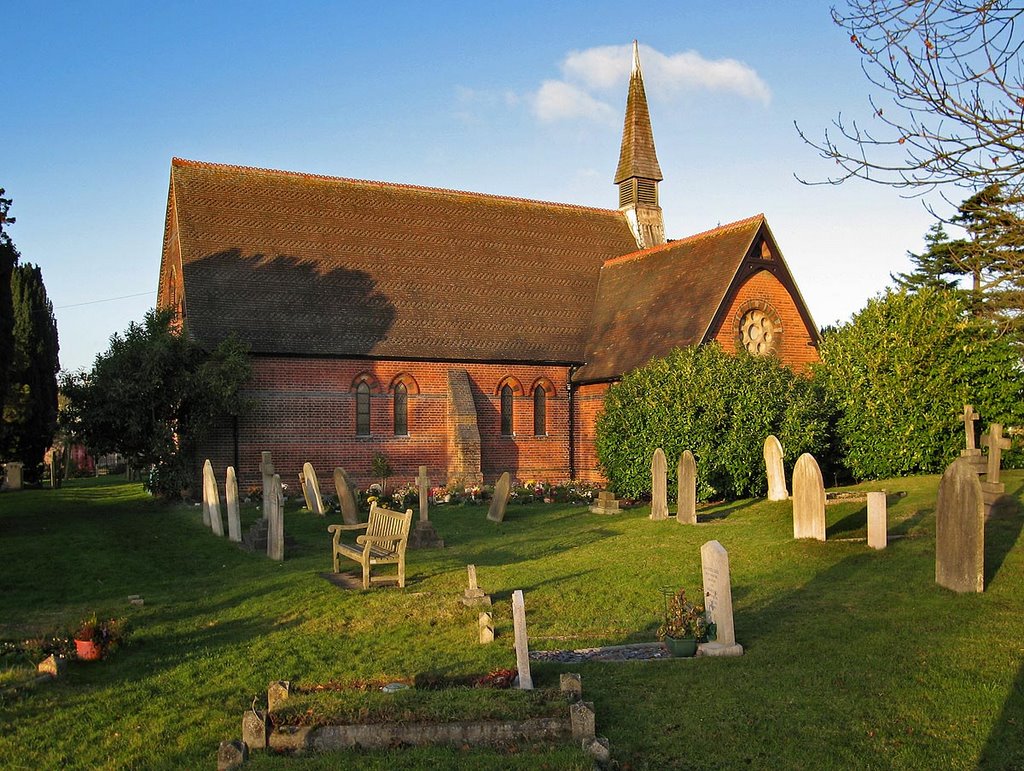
366	575
335	562
401	571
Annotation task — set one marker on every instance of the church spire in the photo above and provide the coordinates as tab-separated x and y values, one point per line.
638	172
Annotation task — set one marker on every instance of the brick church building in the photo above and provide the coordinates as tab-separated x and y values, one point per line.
472	333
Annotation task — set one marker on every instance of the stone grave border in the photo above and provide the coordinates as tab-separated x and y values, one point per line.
577	725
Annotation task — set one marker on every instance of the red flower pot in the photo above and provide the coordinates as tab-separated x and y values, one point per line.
87	650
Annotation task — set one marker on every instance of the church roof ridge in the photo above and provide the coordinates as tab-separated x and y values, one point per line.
715	231
190	163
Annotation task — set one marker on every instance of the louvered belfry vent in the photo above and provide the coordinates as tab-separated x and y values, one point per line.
626	193
647	192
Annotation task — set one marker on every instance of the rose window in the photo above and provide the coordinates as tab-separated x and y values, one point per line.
758	332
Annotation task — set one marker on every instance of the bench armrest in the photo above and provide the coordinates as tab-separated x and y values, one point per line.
335	529
370	540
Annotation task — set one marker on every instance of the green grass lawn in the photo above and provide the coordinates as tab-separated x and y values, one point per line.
854	658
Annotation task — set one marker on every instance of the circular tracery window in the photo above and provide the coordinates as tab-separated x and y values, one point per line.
759	332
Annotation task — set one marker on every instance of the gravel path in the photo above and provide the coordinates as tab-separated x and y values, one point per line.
637	652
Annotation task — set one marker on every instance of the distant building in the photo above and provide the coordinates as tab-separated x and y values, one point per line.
471	333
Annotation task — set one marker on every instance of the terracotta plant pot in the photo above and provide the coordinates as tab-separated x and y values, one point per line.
87	650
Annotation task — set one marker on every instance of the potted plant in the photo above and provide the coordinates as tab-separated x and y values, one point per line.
684	626
95	638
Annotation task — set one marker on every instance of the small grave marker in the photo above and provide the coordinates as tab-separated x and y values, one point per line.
775	469
522	645
686	497
486	624
659	485
231	499
496	511
474	595
714	561
606	503
878	520
808	499
960	530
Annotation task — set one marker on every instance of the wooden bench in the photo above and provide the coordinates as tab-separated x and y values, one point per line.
387	533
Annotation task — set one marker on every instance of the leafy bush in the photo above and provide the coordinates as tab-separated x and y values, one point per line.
720	407
900	373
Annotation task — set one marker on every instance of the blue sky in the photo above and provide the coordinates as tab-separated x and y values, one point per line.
521	99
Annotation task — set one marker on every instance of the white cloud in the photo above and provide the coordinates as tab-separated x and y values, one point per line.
558	100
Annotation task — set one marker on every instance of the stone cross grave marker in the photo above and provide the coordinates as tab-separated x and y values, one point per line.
423	485
313	489
659	485
267	472
212	495
522	645
496	512
424	536
231	498
968	419
808	499
960	530
343	486
686	492
474	595
275	529
606	503
774	469
995	442
878	520
714	562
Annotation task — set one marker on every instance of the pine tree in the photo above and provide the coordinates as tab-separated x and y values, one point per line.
8	259
934	267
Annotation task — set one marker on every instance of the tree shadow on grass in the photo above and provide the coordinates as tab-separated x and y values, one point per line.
724	510
1002	531
1005	745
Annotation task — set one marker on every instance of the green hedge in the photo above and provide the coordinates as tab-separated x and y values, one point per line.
719	406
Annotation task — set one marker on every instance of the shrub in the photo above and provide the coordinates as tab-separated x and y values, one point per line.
901	371
720	407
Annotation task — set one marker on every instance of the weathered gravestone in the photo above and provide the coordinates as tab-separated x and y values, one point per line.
313	489
774	469
659	485
267	473
211	496
424	536
486	627
991	488
878	525
960	530
304	486
231	499
686	490
522	645
808	499
275	521
474	595
606	503
13	473
343	485
496	512
714	562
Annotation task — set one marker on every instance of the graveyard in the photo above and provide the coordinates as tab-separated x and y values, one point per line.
852	656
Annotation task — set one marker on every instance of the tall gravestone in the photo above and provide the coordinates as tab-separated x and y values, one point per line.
714	562
659	485
304	486
212	493
343	486
267	474
275	521
808	499
775	469
313	487
522	644
686	491
424	536
878	525
496	511
231	500
960	530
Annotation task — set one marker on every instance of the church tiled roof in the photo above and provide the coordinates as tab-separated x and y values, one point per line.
652	301
306	265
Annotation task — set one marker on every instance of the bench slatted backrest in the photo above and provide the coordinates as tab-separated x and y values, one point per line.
387	523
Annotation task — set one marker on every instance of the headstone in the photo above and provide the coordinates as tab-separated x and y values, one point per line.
474	595
304	486
571	684
206	495
267	472
774	469
53	665
581	721
486	625
275	522
606	503
659	485
254	729
231	499
714	562
313	489
808	499
522	645
991	488
14	475
960	530
496	512
212	497
231	755
343	486
686	497
278	692
424	536
878	524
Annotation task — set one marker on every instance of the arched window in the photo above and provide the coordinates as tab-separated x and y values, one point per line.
540	411
401	406
506	410
363	409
